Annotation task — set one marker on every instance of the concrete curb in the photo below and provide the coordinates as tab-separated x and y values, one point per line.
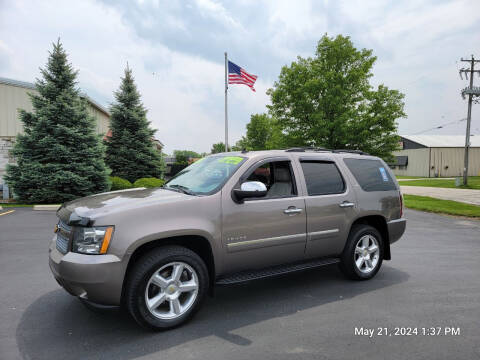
46	207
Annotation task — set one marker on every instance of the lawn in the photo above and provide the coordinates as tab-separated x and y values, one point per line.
10	205
450	207
473	183
400	177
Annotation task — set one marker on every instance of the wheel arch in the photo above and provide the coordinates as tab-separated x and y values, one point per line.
380	223
198	244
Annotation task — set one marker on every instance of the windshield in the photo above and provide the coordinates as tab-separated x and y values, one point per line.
206	175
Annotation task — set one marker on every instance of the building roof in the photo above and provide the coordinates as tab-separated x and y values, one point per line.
443	140
28	85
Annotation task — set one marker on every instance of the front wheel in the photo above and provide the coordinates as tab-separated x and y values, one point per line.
166	287
363	253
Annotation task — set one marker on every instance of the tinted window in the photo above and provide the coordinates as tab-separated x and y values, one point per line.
371	175
322	178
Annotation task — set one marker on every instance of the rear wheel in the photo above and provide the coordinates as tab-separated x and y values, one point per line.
166	287
363	253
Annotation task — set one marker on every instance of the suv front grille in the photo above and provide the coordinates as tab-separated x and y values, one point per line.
63	237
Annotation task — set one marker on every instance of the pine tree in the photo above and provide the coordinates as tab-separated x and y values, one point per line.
59	156
130	153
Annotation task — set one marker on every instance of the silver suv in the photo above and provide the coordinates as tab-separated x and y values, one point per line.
225	219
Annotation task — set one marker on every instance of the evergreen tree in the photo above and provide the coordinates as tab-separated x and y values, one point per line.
130	152
59	156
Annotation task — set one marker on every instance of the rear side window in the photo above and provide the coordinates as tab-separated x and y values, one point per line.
322	178
371	175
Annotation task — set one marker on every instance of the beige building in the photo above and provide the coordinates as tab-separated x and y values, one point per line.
14	96
436	156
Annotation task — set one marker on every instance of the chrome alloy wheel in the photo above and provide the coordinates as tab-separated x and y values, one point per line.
171	290
367	253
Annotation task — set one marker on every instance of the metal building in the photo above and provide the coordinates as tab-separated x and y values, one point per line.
436	156
14	96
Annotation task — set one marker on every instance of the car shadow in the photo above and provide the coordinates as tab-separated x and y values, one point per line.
57	325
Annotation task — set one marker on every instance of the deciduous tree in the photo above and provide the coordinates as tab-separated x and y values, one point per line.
182	156
264	133
218	148
328	101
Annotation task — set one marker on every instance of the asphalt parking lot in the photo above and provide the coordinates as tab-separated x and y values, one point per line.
432	281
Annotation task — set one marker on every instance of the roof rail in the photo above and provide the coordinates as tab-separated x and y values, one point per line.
359	152
306	148
337	151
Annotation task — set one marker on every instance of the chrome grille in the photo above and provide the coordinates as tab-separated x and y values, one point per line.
63	237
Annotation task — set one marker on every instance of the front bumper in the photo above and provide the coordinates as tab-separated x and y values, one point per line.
396	228
96	278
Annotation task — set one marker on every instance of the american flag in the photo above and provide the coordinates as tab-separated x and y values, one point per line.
237	75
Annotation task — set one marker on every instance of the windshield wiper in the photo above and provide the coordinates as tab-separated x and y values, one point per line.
180	188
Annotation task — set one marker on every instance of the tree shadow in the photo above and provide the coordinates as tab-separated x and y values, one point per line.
57	325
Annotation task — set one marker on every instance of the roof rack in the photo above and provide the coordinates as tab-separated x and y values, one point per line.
359	152
307	148
337	151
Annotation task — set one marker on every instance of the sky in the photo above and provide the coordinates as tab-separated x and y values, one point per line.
176	51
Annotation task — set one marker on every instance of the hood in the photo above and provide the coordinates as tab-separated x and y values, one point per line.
84	210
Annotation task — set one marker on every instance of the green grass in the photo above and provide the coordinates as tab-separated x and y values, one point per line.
473	183
10	205
399	177
449	207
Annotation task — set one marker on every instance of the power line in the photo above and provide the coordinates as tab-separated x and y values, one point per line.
428	73
440	126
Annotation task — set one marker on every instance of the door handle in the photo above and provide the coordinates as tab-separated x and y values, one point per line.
346	204
292	211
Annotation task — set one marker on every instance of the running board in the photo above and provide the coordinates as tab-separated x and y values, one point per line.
274	271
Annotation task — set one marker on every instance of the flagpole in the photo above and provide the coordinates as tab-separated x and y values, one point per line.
226	112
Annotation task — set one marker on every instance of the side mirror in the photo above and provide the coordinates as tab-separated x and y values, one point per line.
250	189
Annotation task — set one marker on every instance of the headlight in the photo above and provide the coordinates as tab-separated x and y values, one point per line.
92	240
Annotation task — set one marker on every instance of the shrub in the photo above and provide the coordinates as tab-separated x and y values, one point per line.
119	184
148	183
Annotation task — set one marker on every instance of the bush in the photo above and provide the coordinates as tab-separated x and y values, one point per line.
119	184
148	183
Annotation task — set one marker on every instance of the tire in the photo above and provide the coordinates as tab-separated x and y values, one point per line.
166	275
352	255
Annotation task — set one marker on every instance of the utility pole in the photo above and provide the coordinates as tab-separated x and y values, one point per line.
470	91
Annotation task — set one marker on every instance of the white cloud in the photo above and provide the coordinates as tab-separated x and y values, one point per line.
216	10
176	53
419	45
289	23
178	93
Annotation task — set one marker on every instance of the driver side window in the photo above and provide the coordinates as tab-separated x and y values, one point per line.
277	177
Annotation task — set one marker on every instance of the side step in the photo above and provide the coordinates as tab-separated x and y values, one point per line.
273	271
